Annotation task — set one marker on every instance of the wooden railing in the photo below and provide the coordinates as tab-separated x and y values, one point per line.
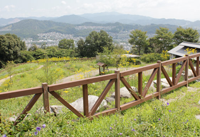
140	97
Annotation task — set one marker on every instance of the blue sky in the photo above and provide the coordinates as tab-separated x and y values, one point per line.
179	9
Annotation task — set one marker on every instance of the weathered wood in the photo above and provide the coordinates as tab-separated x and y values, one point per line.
168	62
101	97
85	100
194	55
140	83
117	90
166	76
66	104
20	93
173	87
137	70
27	108
186	70
149	82
45	97
134	103
180	71
81	82
197	66
158	88
126	84
193	79
192	67
174	73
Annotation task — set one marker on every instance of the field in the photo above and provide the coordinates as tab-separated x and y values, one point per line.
173	115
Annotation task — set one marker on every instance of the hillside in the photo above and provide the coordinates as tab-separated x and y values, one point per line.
30	28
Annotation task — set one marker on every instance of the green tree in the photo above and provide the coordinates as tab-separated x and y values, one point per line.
95	43
10	47
66	44
139	41
162	40
187	34
81	49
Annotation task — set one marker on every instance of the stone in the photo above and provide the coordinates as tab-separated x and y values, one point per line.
197	117
12	119
190	73
164	82
110	99
54	109
78	104
124	93
199	102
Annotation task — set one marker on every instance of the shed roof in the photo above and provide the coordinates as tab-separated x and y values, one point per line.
180	50
101	64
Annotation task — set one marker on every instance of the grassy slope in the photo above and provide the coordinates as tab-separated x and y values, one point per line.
152	118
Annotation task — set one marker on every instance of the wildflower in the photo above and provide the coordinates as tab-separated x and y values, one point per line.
35	133
110	127
43	125
170	111
167	104
134	119
120	133
38	128
159	119
4	135
132	129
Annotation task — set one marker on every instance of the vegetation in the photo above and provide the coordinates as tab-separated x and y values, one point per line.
152	118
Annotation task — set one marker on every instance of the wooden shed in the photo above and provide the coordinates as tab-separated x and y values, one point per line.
103	65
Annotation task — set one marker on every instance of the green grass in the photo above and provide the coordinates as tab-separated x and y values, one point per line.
151	118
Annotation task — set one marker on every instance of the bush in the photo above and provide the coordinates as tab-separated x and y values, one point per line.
153	57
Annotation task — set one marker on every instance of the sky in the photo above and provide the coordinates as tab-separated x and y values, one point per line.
178	9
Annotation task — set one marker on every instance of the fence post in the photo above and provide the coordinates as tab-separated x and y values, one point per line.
45	97
159	79
140	84
117	90
186	69
85	100
197	66
174	74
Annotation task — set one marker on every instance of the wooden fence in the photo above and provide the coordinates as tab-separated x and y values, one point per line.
115	79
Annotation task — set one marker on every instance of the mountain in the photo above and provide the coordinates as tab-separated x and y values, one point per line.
72	19
108	17
30	28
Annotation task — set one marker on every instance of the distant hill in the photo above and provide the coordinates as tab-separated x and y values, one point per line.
108	17
72	19
30	28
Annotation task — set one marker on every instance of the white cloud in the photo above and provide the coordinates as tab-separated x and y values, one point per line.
63	2
9	7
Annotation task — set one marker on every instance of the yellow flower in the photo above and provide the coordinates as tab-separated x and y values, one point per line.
66	91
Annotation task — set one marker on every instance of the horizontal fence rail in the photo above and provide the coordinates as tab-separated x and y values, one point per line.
113	79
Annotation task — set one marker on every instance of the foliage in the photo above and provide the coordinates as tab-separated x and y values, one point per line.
94	43
10	47
139	41
162	40
66	44
185	34
153	57
191	50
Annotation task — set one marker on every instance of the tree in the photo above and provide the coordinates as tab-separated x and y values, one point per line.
66	44
95	43
187	34
162	40
139	40
10	47
81	48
